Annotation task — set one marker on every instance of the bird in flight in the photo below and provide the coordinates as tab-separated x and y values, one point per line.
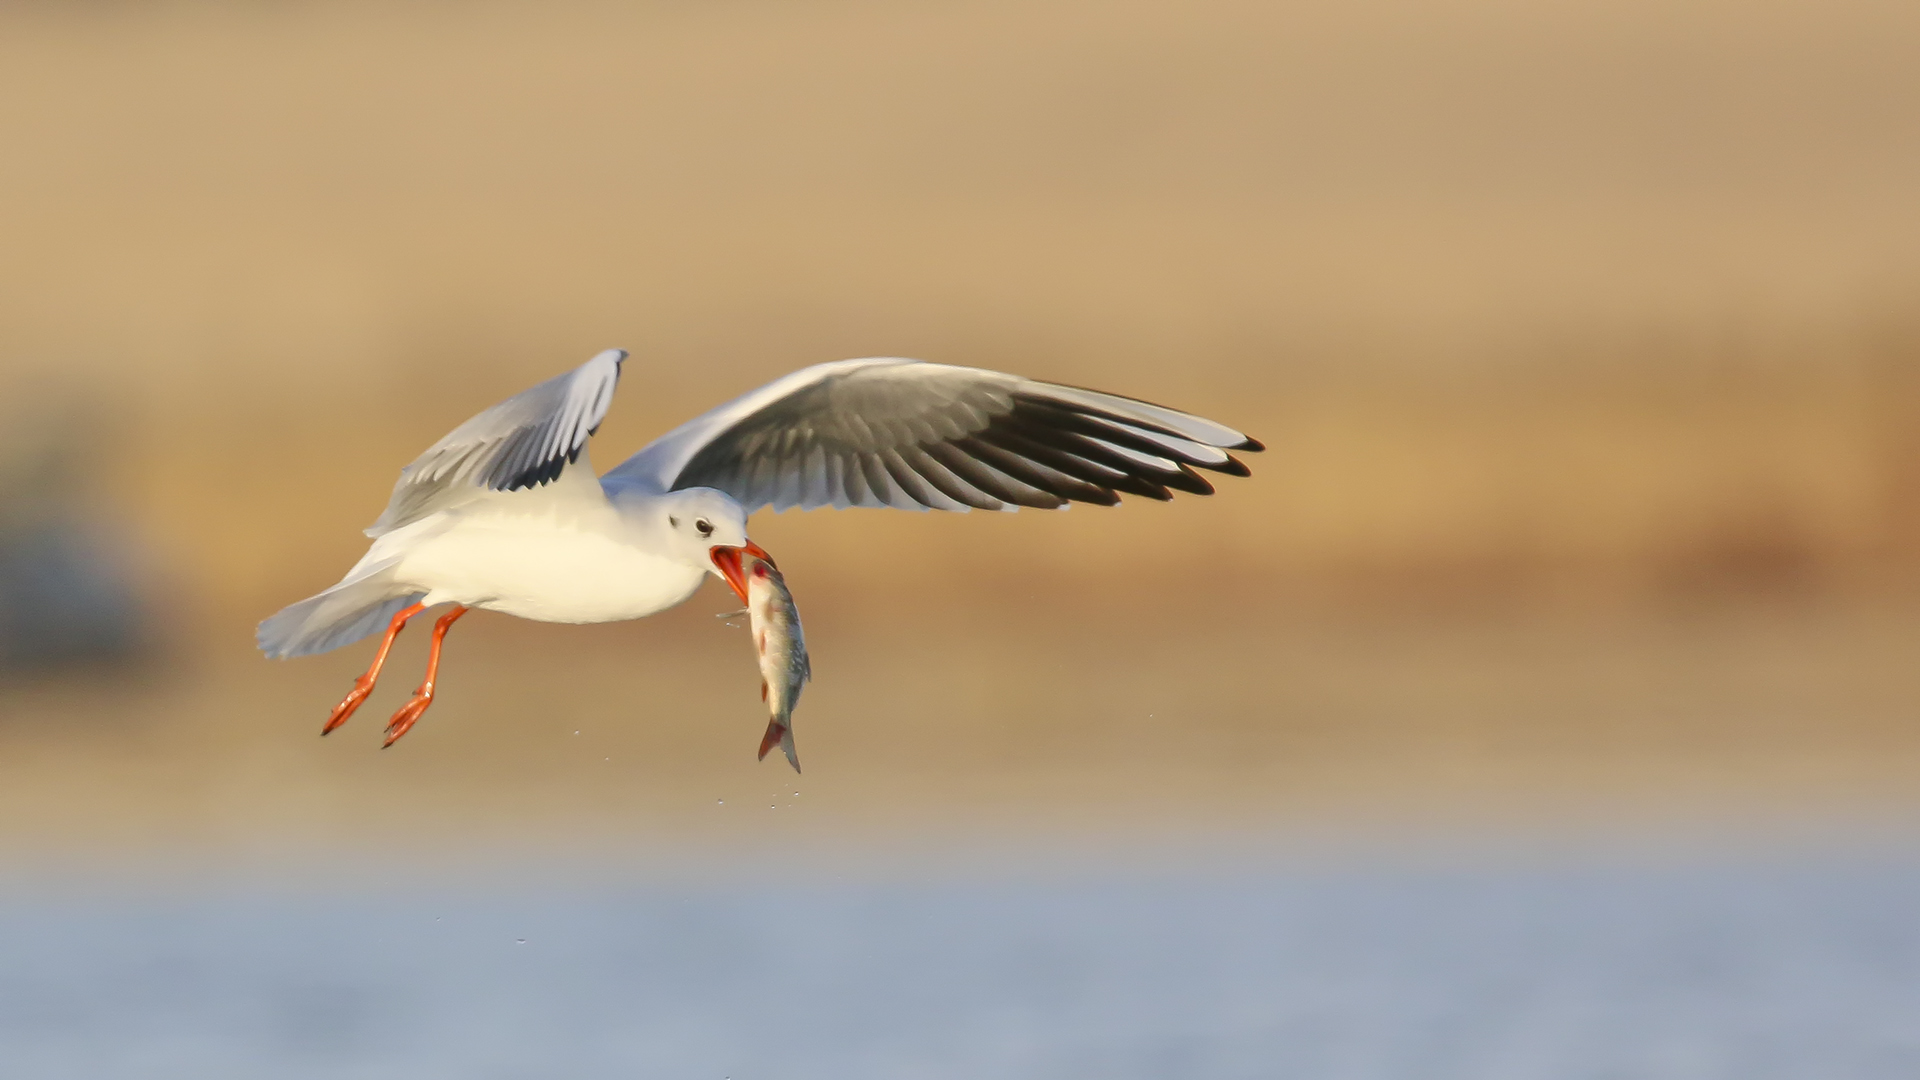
506	514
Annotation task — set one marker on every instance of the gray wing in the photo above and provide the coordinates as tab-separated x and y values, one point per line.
523	442
918	436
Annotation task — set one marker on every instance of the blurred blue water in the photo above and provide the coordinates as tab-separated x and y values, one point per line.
1790	970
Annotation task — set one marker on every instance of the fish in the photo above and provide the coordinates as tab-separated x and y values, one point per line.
782	648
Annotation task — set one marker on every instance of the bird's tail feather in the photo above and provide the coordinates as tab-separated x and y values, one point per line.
340	616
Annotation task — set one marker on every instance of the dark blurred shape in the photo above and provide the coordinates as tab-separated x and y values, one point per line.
65	598
67	591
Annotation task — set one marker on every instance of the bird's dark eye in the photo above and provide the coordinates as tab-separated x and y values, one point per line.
705	527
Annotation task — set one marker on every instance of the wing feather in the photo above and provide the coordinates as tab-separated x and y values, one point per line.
917	486
942	479
989	480
901	433
524	442
853	482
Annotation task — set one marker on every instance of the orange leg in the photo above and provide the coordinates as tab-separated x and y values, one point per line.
422	697
363	685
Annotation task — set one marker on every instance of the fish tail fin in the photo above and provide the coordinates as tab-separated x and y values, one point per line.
779	734
786	747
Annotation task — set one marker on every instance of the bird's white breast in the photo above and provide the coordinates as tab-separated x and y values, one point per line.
568	564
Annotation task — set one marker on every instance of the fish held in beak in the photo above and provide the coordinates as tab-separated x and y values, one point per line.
782	651
727	559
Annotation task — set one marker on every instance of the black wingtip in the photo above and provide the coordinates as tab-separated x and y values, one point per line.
1189	481
1252	445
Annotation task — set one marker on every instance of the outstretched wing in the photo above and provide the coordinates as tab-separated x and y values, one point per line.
918	436
523	442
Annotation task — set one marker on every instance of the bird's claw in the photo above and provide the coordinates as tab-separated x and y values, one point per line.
409	713
362	686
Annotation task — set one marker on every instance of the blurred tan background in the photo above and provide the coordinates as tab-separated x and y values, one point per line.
1583	341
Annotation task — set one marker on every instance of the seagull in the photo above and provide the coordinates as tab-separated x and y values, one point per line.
506	514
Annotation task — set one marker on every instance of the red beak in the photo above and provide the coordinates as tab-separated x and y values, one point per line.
727	560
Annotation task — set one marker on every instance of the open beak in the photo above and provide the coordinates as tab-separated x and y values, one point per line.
727	560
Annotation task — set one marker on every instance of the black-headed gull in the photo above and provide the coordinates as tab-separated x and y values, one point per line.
506	514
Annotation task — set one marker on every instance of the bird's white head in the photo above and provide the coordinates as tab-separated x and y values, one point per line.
707	528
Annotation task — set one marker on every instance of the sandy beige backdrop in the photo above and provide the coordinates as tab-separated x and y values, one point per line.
1584	342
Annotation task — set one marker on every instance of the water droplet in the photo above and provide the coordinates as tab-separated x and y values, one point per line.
722	802
519	941
576	733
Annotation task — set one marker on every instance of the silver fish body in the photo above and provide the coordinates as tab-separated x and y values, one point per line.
784	667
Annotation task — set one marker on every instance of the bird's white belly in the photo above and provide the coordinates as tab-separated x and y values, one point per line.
534	568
